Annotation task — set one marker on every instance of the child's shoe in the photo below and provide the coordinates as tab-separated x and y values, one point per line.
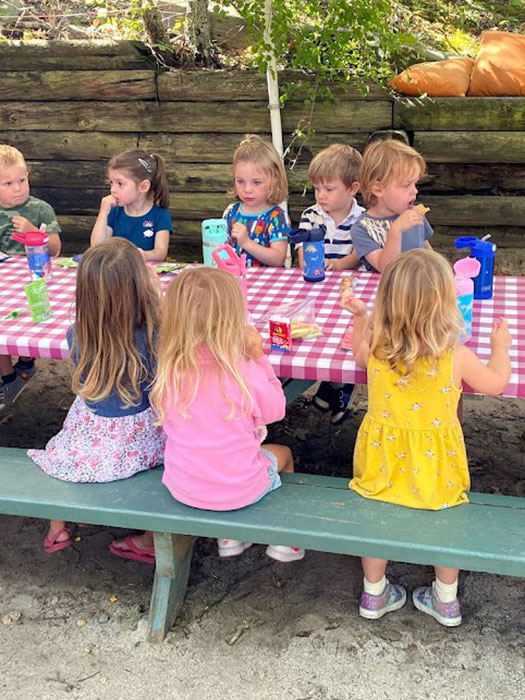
10	391
324	397
375	606
341	404
25	370
427	600
232	548
285	554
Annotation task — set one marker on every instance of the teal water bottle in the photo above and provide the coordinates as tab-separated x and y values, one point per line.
214	234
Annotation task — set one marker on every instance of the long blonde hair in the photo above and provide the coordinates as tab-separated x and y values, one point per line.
114	297
254	149
415	312
204	310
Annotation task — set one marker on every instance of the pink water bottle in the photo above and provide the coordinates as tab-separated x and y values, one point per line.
465	270
227	259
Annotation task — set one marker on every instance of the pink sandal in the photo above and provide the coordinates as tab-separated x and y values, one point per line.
51	545
147	556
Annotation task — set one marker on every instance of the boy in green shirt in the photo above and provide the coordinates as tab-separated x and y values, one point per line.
19	212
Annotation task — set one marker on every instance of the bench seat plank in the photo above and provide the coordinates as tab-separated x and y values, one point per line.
313	512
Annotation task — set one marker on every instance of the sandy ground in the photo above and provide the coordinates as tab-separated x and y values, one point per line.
73	624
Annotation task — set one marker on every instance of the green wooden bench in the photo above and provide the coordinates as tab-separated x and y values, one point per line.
314	512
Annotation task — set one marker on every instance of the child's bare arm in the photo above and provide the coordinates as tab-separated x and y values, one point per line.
360	345
160	251
274	256
101	230
493	377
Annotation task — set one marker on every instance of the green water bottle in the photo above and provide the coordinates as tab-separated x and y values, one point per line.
38	300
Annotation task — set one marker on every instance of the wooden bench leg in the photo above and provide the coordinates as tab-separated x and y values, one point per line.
173	559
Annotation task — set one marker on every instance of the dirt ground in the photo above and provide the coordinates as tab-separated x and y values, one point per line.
73	624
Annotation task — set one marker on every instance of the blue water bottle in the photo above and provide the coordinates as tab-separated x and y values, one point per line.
313	256
484	252
214	234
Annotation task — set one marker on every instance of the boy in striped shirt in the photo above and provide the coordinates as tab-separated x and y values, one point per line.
334	173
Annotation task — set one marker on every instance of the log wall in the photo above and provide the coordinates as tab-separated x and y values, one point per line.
69	107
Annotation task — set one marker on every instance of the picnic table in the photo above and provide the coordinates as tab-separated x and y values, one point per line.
320	359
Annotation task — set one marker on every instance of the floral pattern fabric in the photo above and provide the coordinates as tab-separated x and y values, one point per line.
410	448
95	449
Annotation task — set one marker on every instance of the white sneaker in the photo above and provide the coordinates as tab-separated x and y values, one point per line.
232	548
280	552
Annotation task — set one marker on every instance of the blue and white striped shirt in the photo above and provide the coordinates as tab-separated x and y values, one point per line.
337	239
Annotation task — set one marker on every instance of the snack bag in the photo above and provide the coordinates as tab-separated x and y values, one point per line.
293	320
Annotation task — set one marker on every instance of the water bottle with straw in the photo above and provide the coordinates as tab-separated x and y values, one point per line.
37	252
313	252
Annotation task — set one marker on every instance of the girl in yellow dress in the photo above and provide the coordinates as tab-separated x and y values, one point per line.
410	449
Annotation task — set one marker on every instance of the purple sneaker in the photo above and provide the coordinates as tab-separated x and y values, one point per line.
375	606
427	600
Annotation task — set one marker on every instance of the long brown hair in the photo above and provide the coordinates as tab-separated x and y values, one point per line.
204	309
115	296
140	166
415	310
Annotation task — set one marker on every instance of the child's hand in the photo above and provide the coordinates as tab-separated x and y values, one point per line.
407	220
240	233
500	336
351	303
332	265
21	225
107	202
253	343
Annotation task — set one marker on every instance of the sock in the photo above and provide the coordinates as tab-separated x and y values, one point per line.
446	592
374	588
8	378
25	364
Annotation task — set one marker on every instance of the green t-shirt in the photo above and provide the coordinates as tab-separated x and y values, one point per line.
34	210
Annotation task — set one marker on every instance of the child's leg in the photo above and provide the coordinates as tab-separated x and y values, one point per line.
379	596
58	536
12	383
135	547
6	365
284	457
441	599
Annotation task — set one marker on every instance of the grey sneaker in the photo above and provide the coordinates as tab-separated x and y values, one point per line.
375	606
427	600
10	392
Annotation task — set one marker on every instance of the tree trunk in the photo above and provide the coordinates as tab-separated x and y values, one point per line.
200	25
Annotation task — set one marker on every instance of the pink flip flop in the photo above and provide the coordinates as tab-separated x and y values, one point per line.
51	545
147	556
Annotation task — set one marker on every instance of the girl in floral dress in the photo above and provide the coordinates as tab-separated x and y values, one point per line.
108	433
410	448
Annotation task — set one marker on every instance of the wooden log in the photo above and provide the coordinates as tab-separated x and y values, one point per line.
75	55
68	145
471	146
505	237
182	177
43	86
475	178
216	86
219	148
470	210
460	114
223	117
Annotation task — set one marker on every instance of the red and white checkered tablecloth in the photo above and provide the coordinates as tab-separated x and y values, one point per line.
322	358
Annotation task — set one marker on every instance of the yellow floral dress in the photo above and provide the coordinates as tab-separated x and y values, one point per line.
410	448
